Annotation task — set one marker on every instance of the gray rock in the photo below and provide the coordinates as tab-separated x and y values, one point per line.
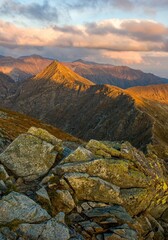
29	157
3	186
42	196
54	229
2	237
115	211
18	208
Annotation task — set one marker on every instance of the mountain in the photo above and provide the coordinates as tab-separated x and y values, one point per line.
121	76
62	98
157	93
23	67
124	77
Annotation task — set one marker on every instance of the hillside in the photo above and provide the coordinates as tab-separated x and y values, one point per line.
121	76
6	85
12	124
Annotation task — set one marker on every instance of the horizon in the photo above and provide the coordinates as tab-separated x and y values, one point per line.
129	33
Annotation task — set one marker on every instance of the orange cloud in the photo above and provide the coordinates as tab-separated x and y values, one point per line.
124	57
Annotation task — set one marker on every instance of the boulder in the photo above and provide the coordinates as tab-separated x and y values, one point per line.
18	208
62	201
79	155
119	172
28	156
103	148
93	188
47	137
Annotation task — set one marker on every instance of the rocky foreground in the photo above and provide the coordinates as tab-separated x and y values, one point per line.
51	189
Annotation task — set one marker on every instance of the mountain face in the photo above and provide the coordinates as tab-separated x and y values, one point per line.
62	98
23	67
99	190
121	76
7	85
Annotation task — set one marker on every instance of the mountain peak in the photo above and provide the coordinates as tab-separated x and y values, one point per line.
60	73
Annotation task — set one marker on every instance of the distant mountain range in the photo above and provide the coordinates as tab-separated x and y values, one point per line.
124	77
60	97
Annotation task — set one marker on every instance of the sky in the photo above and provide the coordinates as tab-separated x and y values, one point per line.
118	32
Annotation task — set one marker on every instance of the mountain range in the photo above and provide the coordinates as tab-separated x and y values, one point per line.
60	97
121	76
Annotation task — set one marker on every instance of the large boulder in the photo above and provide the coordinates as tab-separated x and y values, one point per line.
30	156
119	172
17	208
93	188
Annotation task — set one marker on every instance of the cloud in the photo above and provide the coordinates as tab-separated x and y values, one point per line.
121	42
143	30
43	12
122	4
121	35
68	29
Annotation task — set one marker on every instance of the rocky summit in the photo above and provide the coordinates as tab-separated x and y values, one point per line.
99	190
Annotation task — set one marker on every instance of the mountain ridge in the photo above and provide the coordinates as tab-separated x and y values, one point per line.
121	76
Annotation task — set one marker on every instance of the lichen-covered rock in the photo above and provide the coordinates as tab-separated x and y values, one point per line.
62	201
29	157
47	137
93	188
18	208
103	149
119	172
79	155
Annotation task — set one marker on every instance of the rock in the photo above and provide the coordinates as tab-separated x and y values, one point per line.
103	149
124	232
18	208
3	173
62	201
43	198
3	187
2	237
164	216
93	188
118	172
29	157
79	155
51	230
47	137
8	234
114	211
136	200
91	227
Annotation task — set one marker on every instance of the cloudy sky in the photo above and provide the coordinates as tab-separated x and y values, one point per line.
120	32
